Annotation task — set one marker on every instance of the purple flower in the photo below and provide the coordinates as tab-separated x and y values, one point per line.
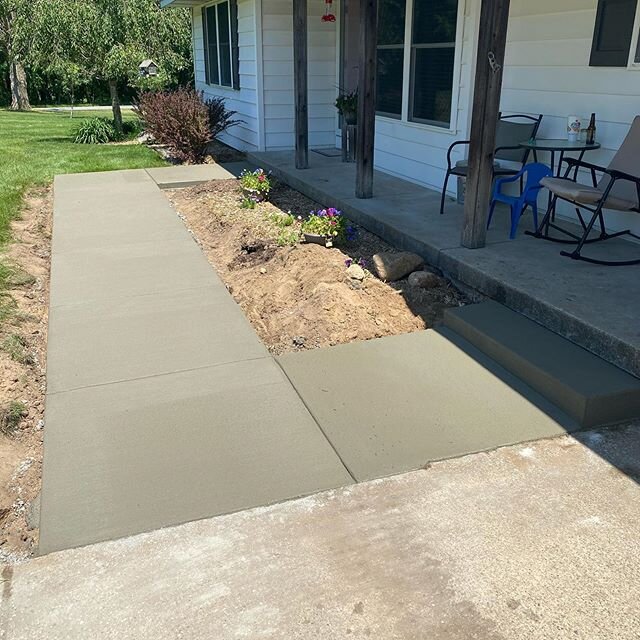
363	263
348	262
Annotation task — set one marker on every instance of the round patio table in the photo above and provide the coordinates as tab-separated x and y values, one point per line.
558	146
561	146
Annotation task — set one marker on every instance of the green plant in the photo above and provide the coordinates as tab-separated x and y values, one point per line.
282	220
288	237
17	348
95	130
11	415
132	128
328	223
184	121
255	186
347	102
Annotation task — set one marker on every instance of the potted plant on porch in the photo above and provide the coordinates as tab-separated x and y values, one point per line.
347	105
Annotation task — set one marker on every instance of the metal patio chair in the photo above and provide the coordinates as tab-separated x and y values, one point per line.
618	189
510	132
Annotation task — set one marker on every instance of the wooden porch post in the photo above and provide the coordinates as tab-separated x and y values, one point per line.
300	82
365	137
494	17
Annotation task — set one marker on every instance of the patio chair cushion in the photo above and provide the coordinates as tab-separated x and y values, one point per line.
584	194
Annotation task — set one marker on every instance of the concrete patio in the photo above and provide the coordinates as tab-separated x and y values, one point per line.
596	307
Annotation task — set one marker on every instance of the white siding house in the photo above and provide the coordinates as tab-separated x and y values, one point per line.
547	70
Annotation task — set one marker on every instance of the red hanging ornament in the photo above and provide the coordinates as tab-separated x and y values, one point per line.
328	14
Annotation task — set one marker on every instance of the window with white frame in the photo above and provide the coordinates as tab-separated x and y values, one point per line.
416	59
220	35
613	34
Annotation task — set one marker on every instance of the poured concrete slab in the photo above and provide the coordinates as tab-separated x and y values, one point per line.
143	454
188	175
589	389
535	542
134	337
393	404
121	270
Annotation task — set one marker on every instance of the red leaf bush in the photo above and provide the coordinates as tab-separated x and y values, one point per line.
184	120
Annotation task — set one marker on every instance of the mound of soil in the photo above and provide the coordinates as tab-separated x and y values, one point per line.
300	296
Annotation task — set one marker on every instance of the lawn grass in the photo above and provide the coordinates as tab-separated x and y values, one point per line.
35	146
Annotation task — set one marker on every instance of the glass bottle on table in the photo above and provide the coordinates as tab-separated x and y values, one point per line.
591	130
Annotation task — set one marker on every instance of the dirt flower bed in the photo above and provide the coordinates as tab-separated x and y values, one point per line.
23	333
300	296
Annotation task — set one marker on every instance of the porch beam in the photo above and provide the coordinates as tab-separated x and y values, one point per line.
365	137
494	18
300	81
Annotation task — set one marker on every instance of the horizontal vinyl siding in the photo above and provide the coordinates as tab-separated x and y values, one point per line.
547	71
245	135
277	47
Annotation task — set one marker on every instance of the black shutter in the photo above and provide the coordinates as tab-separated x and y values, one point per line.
205	44
235	56
613	32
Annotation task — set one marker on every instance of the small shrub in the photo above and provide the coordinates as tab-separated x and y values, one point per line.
17	348
11	415
95	131
256	187
184	121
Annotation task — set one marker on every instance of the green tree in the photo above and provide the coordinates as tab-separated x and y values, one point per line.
106	40
16	39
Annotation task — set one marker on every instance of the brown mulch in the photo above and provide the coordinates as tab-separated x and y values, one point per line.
23	339
301	297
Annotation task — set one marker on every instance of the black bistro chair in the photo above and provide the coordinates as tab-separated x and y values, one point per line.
510	132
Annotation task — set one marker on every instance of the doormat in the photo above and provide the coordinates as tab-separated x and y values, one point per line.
329	153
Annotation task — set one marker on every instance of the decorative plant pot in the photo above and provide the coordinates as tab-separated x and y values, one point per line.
315	238
350	117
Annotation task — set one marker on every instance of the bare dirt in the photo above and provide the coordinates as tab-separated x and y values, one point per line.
23	335
300	296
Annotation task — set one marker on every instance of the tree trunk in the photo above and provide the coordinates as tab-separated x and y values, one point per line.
115	106
19	94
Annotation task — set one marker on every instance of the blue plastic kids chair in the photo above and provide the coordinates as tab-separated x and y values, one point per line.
534	172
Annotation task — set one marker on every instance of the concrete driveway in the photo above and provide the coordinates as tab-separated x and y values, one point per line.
535	542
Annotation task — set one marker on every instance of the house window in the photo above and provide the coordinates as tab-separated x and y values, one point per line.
416	59
391	37
433	49
613	33
220	35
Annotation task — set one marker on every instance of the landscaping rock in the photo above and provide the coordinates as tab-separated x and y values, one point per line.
356	272
424	280
395	266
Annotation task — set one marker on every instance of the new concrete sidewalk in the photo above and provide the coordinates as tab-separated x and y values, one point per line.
162	404
164	407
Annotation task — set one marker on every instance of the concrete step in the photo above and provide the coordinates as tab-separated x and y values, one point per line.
590	390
